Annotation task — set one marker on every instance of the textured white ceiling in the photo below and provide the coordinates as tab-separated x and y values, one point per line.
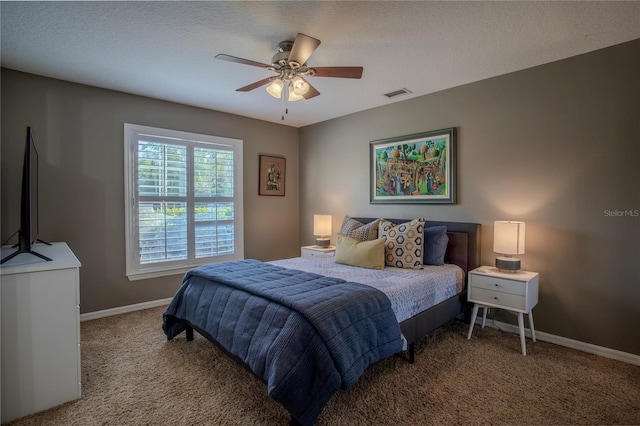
166	50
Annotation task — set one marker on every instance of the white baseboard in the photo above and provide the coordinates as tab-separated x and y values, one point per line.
540	335
124	309
563	341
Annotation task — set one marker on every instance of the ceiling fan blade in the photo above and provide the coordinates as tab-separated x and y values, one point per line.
303	47
340	72
241	60
311	93
254	85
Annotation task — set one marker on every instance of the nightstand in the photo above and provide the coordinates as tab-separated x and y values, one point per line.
308	251
514	291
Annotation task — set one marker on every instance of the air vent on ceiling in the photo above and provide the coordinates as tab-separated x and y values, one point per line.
395	93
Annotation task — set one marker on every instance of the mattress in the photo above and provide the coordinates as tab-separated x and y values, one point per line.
410	291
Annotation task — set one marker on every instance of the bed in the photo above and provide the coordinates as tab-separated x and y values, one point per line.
308	334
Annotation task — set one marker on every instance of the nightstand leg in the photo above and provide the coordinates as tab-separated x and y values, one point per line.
484	315
533	332
521	327
474	314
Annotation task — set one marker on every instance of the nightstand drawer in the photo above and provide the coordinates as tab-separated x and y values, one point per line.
507	300
310	251
498	284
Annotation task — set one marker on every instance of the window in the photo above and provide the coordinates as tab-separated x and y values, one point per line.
183	200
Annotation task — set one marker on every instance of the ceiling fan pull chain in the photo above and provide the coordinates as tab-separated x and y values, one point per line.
286	110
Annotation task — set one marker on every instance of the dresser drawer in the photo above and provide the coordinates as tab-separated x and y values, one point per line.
507	300
498	284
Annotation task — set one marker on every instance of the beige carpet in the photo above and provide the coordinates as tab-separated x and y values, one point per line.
132	376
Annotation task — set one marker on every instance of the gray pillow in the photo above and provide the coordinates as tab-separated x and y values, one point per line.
435	245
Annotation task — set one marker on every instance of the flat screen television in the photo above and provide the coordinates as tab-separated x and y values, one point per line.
28	232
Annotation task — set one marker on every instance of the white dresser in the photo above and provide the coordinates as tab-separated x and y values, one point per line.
40	304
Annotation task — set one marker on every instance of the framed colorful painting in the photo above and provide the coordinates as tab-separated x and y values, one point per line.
272	175
418	168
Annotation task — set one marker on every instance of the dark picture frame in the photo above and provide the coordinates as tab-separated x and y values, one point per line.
272	175
414	169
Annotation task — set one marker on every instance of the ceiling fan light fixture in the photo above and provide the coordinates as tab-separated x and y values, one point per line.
290	65
300	86
293	96
275	88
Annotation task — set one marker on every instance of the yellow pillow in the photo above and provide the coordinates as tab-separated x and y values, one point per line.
364	254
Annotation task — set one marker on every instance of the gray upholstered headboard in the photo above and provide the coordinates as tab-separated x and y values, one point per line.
464	241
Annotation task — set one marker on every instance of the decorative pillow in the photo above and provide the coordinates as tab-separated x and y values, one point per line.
365	254
435	245
356	229
404	243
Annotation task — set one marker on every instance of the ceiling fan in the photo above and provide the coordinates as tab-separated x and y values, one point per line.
290	65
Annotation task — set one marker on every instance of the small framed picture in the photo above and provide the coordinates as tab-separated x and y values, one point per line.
272	175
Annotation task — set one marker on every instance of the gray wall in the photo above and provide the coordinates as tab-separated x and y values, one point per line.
554	146
79	135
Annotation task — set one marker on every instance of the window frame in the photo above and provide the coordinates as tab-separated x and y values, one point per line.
132	133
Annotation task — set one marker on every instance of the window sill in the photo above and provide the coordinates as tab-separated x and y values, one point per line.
173	270
143	275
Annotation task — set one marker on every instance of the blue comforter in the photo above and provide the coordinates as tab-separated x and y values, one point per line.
305	334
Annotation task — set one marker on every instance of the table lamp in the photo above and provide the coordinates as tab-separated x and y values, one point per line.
508	239
322	228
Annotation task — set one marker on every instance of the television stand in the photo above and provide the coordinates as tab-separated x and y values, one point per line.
23	250
38	240
17	252
29	251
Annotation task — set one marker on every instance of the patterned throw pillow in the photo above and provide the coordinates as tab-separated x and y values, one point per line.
358	230
403	243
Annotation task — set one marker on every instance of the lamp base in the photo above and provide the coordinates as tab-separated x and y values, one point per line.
508	264
323	242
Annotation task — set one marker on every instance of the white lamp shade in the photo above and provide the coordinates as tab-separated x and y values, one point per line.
322	224
508	237
275	88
